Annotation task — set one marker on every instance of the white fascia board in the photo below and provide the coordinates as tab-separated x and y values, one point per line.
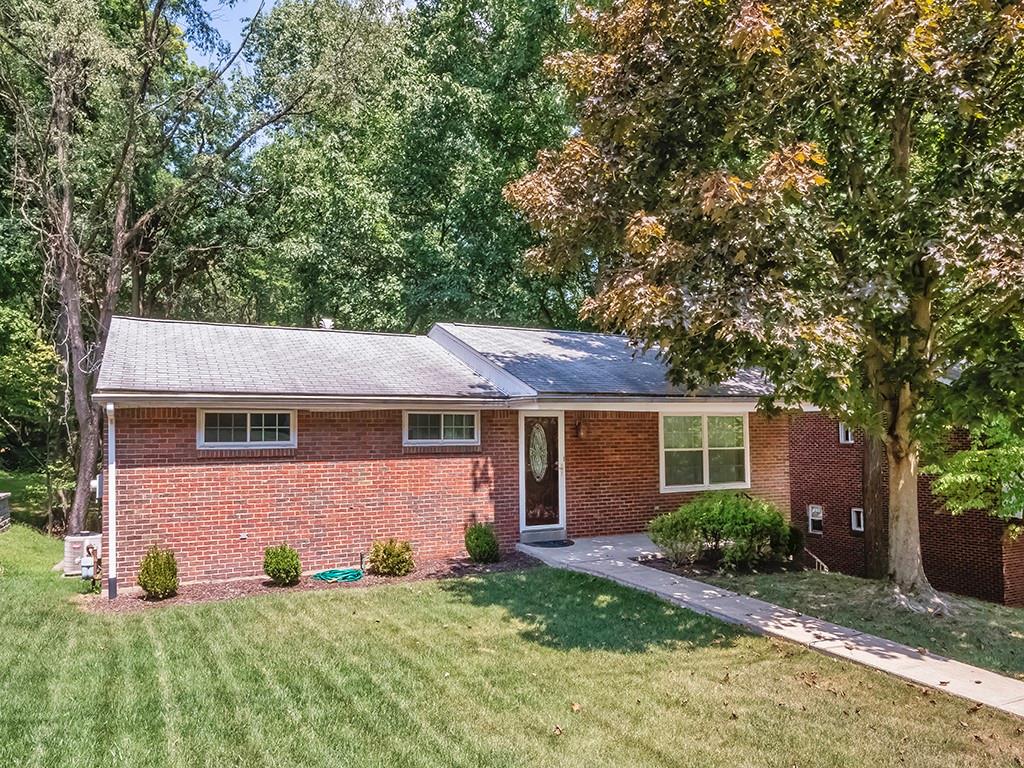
293	402
640	405
460	350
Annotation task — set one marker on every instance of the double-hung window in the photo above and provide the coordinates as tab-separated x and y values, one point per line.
815	518
246	429
845	433
699	452
441	428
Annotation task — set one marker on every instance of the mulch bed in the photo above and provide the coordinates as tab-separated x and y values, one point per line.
189	594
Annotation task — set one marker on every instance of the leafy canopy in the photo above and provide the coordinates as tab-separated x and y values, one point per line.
830	190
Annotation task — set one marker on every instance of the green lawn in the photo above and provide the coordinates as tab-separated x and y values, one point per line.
21	510
980	633
472	672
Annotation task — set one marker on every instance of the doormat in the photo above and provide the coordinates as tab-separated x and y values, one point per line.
552	544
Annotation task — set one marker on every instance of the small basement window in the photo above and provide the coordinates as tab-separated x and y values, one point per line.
246	429
815	518
845	433
856	519
441	428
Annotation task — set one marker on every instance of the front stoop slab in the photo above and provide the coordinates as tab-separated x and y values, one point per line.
612	558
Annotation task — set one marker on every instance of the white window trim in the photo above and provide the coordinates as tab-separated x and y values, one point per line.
845	434
821	509
411	443
202	445
853	519
707	485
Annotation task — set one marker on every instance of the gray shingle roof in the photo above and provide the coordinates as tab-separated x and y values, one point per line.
162	356
574	363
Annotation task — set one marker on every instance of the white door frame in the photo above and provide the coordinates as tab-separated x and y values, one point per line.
522	471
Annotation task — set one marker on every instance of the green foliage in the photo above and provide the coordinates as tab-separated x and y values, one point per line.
158	573
482	544
828	191
745	531
28	373
391	558
282	565
50	492
678	534
795	542
988	476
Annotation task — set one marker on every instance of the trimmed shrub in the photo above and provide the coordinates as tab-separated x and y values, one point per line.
743	531
482	544
391	558
158	573
282	565
795	542
678	535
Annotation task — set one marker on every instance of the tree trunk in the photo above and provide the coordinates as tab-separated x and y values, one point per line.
906	568
876	560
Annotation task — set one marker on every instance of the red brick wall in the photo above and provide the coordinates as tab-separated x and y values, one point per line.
1013	570
828	473
612	479
349	482
962	554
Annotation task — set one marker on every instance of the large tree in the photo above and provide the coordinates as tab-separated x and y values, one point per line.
831	191
118	138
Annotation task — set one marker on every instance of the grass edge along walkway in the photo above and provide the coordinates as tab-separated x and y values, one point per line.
611	558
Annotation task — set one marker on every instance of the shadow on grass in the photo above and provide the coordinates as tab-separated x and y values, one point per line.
568	611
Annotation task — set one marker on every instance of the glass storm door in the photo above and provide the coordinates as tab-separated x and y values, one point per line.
541	469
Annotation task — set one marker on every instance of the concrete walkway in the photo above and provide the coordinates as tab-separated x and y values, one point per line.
610	557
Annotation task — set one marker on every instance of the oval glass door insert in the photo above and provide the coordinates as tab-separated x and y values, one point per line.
538	452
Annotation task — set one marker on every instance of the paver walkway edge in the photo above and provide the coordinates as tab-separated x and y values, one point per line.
611	557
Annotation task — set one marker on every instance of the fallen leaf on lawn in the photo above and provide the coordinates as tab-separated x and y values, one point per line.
557	730
962	724
576	707
972	710
733	716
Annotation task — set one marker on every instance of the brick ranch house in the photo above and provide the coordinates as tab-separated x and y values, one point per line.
222	440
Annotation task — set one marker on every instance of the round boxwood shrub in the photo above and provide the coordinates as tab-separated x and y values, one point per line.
678	534
391	558
282	565
158	573
741	530
482	544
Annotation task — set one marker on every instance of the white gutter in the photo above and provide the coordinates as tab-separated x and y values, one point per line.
111	489
293	402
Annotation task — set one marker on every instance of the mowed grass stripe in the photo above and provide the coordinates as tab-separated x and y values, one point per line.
458	673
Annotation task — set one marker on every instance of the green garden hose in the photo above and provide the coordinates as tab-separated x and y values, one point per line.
340	574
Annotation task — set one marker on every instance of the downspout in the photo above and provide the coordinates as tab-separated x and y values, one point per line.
111	489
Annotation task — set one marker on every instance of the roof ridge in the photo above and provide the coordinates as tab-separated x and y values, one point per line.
171	321
538	330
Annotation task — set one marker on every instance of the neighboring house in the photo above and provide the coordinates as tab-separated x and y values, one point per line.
971	554
225	439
